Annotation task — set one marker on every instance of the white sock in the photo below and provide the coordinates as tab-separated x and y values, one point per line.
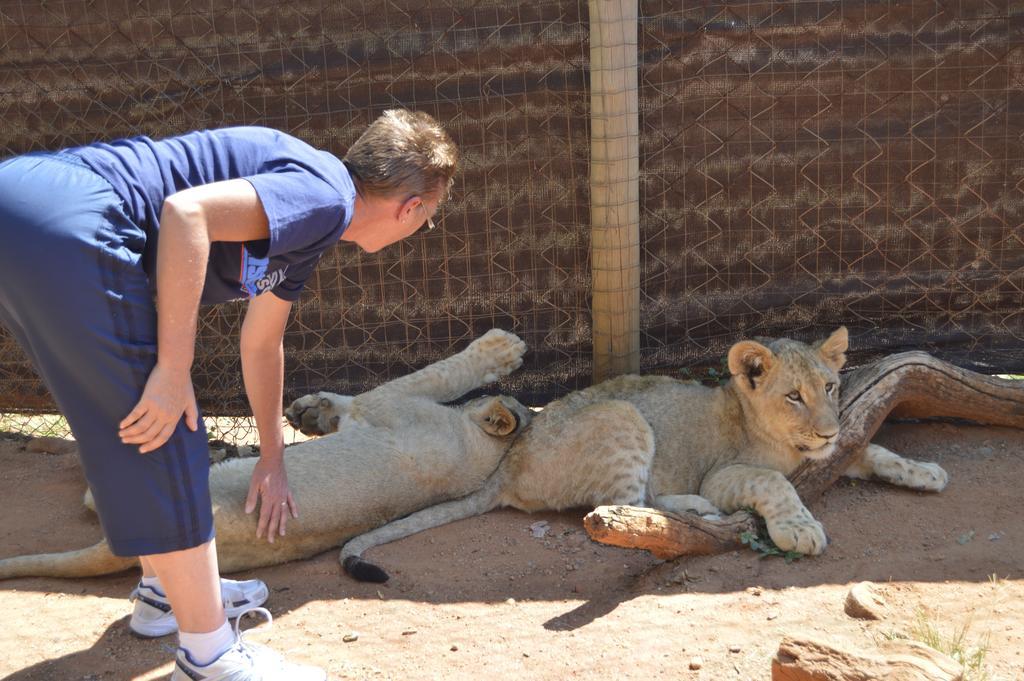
153	583
205	648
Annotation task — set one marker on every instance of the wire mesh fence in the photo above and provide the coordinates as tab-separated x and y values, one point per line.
509	83
811	164
801	165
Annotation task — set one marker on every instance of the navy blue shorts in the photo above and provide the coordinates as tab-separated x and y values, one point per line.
74	294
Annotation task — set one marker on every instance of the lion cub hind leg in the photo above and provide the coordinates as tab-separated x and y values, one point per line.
790	525
495	354
681	504
879	462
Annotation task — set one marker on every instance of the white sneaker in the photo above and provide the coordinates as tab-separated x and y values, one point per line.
245	662
152	616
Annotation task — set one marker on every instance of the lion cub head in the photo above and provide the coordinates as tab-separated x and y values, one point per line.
792	390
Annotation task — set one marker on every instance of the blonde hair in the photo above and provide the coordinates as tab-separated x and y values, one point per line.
403	153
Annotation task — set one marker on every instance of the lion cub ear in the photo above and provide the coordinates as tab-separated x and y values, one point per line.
833	349
498	420
748	360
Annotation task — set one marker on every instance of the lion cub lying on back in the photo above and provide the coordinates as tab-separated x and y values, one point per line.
399	449
680	447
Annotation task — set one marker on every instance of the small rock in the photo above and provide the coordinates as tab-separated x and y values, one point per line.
773	615
539	528
863	602
408	632
349	638
50	445
696	663
510	601
679	577
735	649
454	649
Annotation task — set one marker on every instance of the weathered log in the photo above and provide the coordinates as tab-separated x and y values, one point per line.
666	535
808	660
906	385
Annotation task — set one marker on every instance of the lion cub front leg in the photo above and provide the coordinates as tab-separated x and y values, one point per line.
681	504
877	461
790	525
495	354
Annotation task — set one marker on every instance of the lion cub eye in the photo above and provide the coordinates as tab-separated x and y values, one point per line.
794	397
830	388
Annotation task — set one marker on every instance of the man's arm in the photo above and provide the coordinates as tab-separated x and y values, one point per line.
263	372
189	221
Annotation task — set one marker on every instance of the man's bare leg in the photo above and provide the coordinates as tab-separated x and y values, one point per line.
192	583
147	567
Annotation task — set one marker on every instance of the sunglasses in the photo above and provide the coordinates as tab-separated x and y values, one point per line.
430	220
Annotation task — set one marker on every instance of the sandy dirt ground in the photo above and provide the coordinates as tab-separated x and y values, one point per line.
487	599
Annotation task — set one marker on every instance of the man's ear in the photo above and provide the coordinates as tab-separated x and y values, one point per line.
832	350
748	360
407	210
498	420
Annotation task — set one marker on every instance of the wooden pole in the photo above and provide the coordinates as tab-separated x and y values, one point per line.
614	187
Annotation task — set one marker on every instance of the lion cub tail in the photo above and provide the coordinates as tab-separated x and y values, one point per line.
95	560
481	501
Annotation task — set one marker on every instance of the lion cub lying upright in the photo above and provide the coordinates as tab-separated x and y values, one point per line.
680	447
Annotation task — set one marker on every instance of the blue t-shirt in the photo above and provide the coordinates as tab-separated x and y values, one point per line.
307	194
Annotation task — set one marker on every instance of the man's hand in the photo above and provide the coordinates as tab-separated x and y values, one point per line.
269	486
165	398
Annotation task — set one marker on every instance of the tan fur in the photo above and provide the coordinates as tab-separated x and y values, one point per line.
680	447
397	449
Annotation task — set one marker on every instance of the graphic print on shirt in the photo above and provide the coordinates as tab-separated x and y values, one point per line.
254	276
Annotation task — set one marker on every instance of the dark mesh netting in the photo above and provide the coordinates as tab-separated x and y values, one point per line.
811	164
802	165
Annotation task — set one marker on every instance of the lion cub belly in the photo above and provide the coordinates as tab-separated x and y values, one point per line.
353	480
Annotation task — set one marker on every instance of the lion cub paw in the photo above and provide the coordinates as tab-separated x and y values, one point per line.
681	504
317	414
927	477
802	535
499	353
